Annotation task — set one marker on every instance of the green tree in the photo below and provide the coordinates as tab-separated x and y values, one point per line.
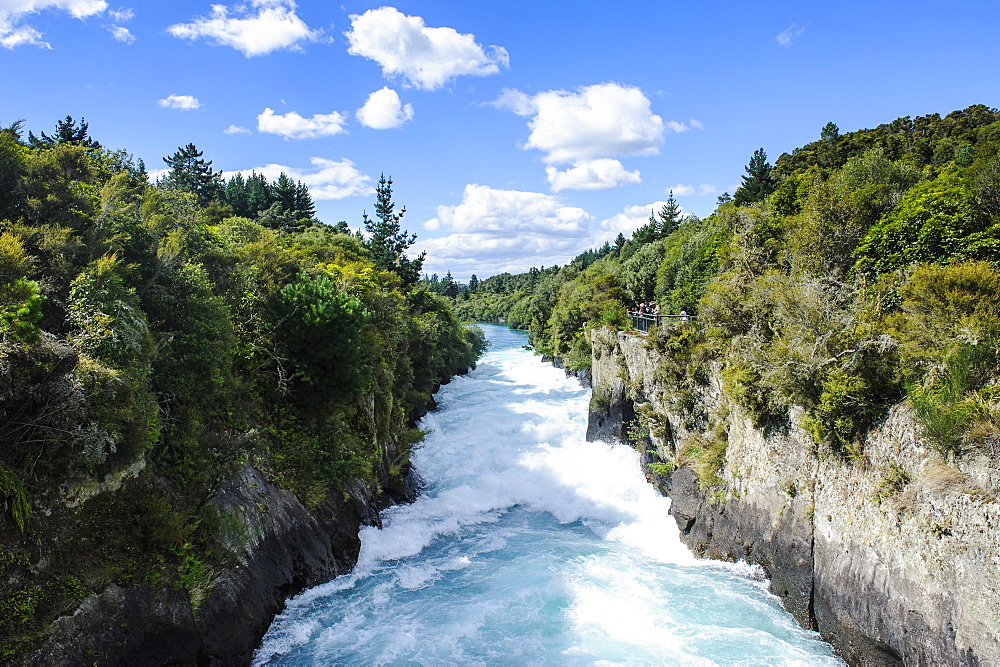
304	206
321	331
386	242
190	173
236	196
449	287
67	132
12	166
670	217
258	195
758	182
828	153
473	284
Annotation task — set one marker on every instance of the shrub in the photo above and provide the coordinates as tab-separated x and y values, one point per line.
320	329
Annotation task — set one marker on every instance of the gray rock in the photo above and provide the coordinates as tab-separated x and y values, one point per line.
893	575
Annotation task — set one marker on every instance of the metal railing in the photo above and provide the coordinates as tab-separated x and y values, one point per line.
642	321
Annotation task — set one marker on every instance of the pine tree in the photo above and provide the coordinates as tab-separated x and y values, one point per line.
670	216
190	173
258	194
283	192
67	132
386	242
473	284
235	195
758	183
828	152
449	287
304	206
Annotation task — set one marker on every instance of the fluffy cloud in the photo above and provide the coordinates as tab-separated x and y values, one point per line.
601	174
293	126
236	129
122	15
255	30
603	120
182	102
14	32
383	110
328	179
121	33
703	190
493	231
790	34
679	126
426	57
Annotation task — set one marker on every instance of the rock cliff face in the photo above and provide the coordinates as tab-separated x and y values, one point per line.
892	559
282	548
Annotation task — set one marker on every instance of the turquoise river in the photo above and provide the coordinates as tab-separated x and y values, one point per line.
531	546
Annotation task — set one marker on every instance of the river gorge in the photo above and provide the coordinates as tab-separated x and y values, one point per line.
531	545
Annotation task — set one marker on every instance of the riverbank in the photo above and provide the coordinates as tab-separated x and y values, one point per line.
282	548
892	558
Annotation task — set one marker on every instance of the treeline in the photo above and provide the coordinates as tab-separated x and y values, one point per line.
282	204
855	271
151	336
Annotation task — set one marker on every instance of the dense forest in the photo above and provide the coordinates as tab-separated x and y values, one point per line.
155	337
855	271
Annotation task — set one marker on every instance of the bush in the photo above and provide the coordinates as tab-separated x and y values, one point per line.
320	329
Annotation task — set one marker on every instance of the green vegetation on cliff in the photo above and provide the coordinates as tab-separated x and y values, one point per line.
154	338
857	270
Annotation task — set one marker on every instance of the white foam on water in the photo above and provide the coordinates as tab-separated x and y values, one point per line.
530	545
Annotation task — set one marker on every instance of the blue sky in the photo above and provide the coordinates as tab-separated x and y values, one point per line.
517	134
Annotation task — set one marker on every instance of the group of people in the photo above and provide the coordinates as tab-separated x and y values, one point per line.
653	309
645	309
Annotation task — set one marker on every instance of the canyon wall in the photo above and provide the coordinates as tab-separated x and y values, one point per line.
893	557
280	547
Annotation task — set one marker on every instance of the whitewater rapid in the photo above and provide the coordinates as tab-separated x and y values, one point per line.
530	545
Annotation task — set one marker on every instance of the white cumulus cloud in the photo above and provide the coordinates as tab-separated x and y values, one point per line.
254	29
327	179
492	231
790	34
293	126
121	33
182	102
14	32
122	15
601	174
426	57
383	110
236	129
598	121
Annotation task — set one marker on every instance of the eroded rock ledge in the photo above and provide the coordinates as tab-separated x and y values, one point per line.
284	548
893	560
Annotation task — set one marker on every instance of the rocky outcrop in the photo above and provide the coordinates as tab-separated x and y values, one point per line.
892	559
281	548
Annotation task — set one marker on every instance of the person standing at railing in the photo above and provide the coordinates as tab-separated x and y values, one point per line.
684	315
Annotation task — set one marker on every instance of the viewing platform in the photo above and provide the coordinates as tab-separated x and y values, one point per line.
643	321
